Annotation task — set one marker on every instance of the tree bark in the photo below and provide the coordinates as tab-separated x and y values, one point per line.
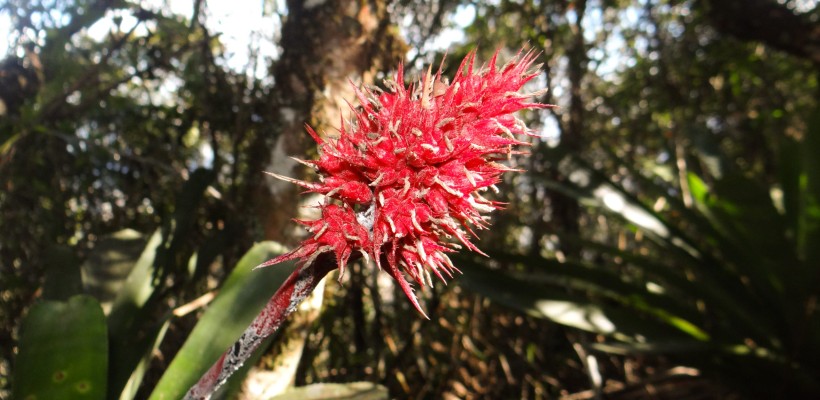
566	210
326	46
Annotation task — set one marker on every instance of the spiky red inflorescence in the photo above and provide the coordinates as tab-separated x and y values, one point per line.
406	173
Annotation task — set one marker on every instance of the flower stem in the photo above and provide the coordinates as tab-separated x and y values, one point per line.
295	289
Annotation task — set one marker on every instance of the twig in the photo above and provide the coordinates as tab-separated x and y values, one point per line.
298	286
200	302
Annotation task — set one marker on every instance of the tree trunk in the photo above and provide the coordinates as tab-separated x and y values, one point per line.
566	210
325	47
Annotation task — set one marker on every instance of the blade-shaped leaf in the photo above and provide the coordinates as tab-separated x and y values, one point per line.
790	170
151	342
243	295
132	322
107	267
809	237
603	282
745	210
178	228
714	277
570	310
128	314
63	351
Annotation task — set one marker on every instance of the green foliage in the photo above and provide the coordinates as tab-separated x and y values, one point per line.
118	129
129	314
242	297
63	351
726	286
695	146
71	351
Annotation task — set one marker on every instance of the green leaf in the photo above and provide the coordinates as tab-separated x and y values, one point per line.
809	237
109	264
137	288
556	305
242	297
608	282
151	342
790	169
133	320
63	351
180	226
753	243
697	187
744	209
8	143
661	348
717	280
127	317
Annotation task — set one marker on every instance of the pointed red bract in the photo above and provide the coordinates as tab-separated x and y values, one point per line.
408	171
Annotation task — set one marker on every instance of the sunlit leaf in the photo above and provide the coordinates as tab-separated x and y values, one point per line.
244	294
571	310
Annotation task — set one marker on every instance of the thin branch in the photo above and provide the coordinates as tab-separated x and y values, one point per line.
198	303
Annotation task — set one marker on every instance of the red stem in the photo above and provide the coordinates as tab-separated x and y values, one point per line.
298	286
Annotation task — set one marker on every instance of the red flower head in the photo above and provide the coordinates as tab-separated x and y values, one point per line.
408	171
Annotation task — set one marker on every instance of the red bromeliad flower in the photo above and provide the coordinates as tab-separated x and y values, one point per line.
407	172
403	177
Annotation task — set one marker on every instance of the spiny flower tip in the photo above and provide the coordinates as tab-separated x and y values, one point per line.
407	172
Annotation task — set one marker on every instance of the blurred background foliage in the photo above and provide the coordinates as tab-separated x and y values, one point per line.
662	243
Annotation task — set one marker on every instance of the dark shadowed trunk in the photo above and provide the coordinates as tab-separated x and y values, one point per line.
325	47
566	210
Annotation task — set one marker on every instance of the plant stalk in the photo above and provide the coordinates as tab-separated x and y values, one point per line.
295	289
